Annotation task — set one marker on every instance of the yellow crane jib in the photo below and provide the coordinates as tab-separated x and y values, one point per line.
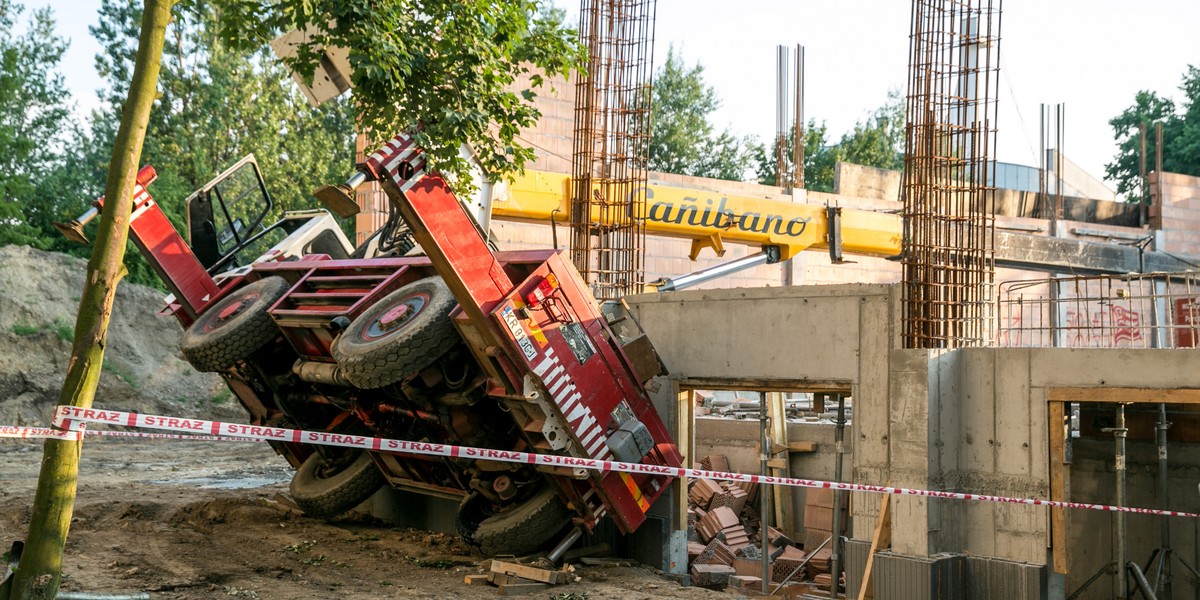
710	219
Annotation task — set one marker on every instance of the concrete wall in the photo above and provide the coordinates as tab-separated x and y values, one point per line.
799	334
975	420
860	181
781	337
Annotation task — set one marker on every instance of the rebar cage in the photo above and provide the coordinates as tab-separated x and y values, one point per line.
1154	310
948	186
612	129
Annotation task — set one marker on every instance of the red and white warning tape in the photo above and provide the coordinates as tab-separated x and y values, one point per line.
70	420
36	433
32	433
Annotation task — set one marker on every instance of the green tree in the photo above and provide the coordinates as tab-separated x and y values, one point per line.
34	119
40	571
819	158
682	138
1181	136
1125	170
218	103
444	70
877	141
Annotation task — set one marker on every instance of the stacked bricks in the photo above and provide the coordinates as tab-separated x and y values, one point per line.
787	564
818	516
722	524
711	576
715	553
725	543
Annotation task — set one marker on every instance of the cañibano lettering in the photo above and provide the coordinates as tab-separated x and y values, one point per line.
718	216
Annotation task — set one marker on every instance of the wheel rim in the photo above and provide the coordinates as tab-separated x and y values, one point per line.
230	312
396	317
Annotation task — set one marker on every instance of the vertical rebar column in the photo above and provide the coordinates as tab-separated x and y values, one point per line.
783	173
798	123
612	128
1122	583
836	564
764	494
949	176
1164	570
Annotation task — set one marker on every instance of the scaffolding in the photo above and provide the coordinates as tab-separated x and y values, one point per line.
948	187
612	129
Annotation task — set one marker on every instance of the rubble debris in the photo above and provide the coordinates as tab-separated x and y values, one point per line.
785	566
725	538
715	553
711	576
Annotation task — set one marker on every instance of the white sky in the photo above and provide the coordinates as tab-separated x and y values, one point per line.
1093	55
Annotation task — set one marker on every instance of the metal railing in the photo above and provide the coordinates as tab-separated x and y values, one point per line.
1154	310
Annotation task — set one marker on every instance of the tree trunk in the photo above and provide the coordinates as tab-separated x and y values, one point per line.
40	571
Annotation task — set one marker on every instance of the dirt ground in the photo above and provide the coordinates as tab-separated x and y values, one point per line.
201	519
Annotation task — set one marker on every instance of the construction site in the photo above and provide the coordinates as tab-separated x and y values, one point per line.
962	379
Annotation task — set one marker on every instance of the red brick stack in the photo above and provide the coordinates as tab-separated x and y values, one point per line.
724	546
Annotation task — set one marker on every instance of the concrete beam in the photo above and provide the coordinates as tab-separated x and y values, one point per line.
1077	257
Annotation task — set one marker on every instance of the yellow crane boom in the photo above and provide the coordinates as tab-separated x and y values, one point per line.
710	219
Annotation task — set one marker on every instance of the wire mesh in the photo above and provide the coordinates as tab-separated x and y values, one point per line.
948	188
612	127
1156	310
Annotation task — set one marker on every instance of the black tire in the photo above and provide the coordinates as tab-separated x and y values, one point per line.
520	530
321	494
233	328
379	348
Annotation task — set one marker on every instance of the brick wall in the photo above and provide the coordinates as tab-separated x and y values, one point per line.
1175	211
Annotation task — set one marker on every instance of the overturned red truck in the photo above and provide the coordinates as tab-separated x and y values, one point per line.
424	334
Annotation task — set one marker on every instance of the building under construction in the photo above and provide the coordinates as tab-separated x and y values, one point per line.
1019	343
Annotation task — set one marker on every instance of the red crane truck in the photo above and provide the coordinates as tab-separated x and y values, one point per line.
503	351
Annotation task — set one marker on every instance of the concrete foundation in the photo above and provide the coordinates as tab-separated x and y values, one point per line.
971	420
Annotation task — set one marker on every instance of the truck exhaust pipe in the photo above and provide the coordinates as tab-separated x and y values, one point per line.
339	199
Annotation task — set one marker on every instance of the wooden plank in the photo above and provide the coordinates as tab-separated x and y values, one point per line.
528	572
784	517
882	539
742	384
476	580
1124	394
1056	416
685	423
802	446
502	578
778	464
517	589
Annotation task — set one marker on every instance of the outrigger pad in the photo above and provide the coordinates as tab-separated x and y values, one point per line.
72	231
339	199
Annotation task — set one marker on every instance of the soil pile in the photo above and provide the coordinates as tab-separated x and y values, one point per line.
143	370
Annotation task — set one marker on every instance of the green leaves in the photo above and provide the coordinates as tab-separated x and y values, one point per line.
877	141
1181	136
217	104
682	139
35	121
446	67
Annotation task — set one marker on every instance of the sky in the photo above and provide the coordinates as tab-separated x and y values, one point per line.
1091	55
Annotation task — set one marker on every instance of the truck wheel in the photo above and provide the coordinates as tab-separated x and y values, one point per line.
326	487
234	328
519	530
401	335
